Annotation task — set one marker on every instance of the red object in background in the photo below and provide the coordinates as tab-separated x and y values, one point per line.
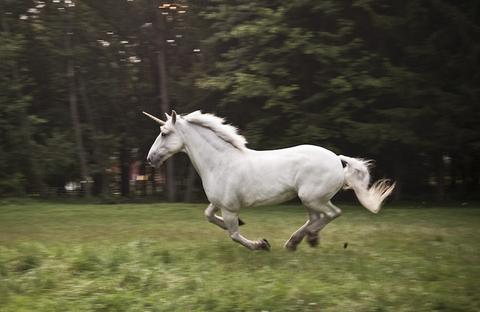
134	170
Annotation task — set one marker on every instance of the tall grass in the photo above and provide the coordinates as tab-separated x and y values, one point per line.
168	258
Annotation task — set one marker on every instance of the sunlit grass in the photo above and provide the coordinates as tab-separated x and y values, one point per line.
166	257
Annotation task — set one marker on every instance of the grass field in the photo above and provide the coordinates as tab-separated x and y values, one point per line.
166	257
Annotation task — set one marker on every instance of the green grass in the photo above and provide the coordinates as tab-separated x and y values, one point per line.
166	257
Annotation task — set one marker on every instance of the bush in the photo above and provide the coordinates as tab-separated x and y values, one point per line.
27	262
87	261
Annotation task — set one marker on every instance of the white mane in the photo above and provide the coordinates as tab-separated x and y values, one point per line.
226	132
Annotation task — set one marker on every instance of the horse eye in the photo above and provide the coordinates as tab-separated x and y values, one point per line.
163	134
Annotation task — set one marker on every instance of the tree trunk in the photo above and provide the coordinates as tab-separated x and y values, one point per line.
397	194
73	102
143	183
474	179
124	170
440	178
192	175
153	184
398	174
99	177
163	94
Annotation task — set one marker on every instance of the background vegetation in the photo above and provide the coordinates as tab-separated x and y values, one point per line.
166	257
396	82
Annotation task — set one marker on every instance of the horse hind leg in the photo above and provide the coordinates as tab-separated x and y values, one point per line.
296	237
299	234
231	222
328	212
313	239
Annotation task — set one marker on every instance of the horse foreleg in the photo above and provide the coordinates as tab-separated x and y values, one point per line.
231	222
215	219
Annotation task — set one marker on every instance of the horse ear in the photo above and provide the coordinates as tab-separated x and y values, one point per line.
174	117
167	115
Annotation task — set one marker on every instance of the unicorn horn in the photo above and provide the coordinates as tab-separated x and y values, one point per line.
158	120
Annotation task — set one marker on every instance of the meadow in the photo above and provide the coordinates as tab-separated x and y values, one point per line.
167	257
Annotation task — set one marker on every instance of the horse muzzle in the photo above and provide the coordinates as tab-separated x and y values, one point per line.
156	161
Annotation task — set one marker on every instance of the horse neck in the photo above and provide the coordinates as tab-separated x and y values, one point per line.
205	149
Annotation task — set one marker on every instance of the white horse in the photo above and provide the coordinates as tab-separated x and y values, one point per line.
234	176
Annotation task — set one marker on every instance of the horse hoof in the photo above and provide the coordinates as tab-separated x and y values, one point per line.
313	241
265	245
265	241
291	247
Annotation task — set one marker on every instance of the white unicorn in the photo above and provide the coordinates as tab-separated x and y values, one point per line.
234	176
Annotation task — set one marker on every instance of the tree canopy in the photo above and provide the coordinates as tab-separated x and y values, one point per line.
395	82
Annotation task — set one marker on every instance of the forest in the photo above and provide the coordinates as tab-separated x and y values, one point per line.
393	81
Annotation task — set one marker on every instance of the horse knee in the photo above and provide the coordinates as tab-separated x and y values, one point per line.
209	213
212	218
334	214
209	217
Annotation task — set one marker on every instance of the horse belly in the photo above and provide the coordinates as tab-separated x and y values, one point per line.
263	197
273	177
268	187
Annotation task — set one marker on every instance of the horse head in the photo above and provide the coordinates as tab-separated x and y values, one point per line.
167	143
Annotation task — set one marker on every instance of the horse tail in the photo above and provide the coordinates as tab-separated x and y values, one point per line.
357	177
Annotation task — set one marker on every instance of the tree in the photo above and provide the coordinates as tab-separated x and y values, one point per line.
396	82
73	98
360	77
15	123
